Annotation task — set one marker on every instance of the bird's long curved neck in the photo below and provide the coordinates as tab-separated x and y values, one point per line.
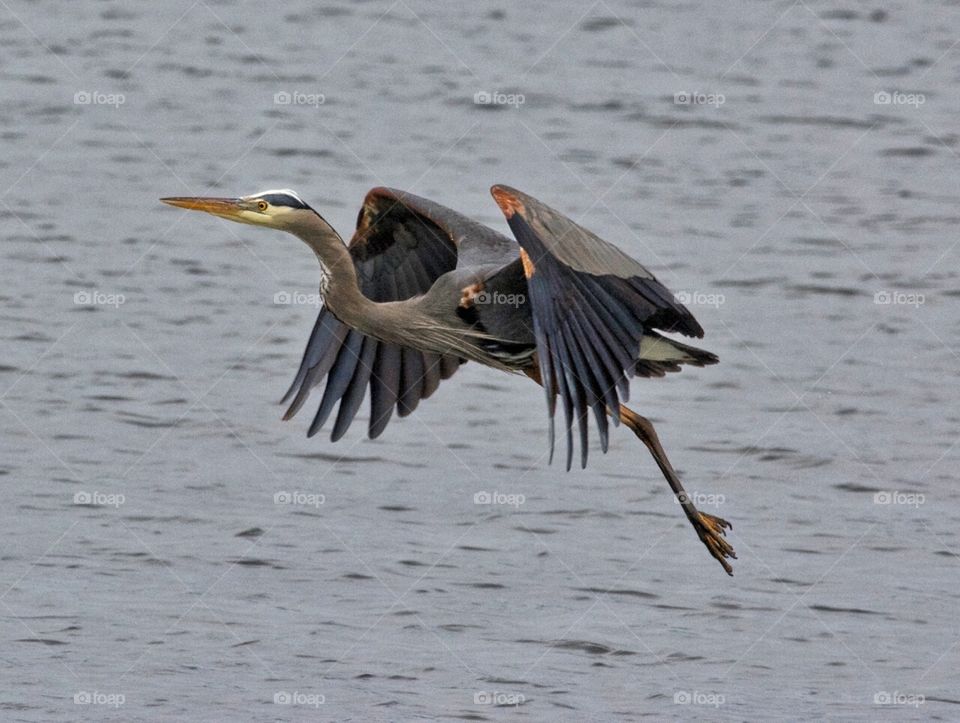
406	323
340	287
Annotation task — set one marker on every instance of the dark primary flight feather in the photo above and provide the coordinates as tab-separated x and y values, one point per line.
401	246
594	310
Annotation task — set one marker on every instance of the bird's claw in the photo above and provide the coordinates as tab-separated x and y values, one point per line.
711	531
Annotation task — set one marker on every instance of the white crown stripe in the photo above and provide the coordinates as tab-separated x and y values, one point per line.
279	192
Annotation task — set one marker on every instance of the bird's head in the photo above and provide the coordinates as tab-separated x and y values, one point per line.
275	208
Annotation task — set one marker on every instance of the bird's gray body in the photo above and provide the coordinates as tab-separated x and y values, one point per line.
421	288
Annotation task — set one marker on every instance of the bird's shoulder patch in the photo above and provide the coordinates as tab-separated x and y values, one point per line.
528	267
469	294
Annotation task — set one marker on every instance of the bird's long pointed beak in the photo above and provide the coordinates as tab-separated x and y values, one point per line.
226	207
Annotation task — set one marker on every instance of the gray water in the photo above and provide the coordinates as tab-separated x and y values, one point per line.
143	355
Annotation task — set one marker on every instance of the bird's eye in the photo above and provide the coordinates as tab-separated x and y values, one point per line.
262	206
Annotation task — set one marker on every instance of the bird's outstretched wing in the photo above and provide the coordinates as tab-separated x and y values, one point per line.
402	244
594	310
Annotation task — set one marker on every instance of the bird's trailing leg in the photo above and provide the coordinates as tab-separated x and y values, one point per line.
710	529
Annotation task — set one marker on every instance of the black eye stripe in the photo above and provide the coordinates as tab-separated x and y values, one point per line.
282	199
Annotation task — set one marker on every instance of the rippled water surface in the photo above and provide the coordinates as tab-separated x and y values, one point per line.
811	224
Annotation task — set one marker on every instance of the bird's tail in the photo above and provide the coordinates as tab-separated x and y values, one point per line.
659	355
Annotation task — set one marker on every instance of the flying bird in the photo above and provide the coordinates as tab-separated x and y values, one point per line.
421	289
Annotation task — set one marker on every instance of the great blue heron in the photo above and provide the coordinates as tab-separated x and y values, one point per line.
420	289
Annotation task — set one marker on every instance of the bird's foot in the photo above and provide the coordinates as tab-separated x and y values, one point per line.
711	531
